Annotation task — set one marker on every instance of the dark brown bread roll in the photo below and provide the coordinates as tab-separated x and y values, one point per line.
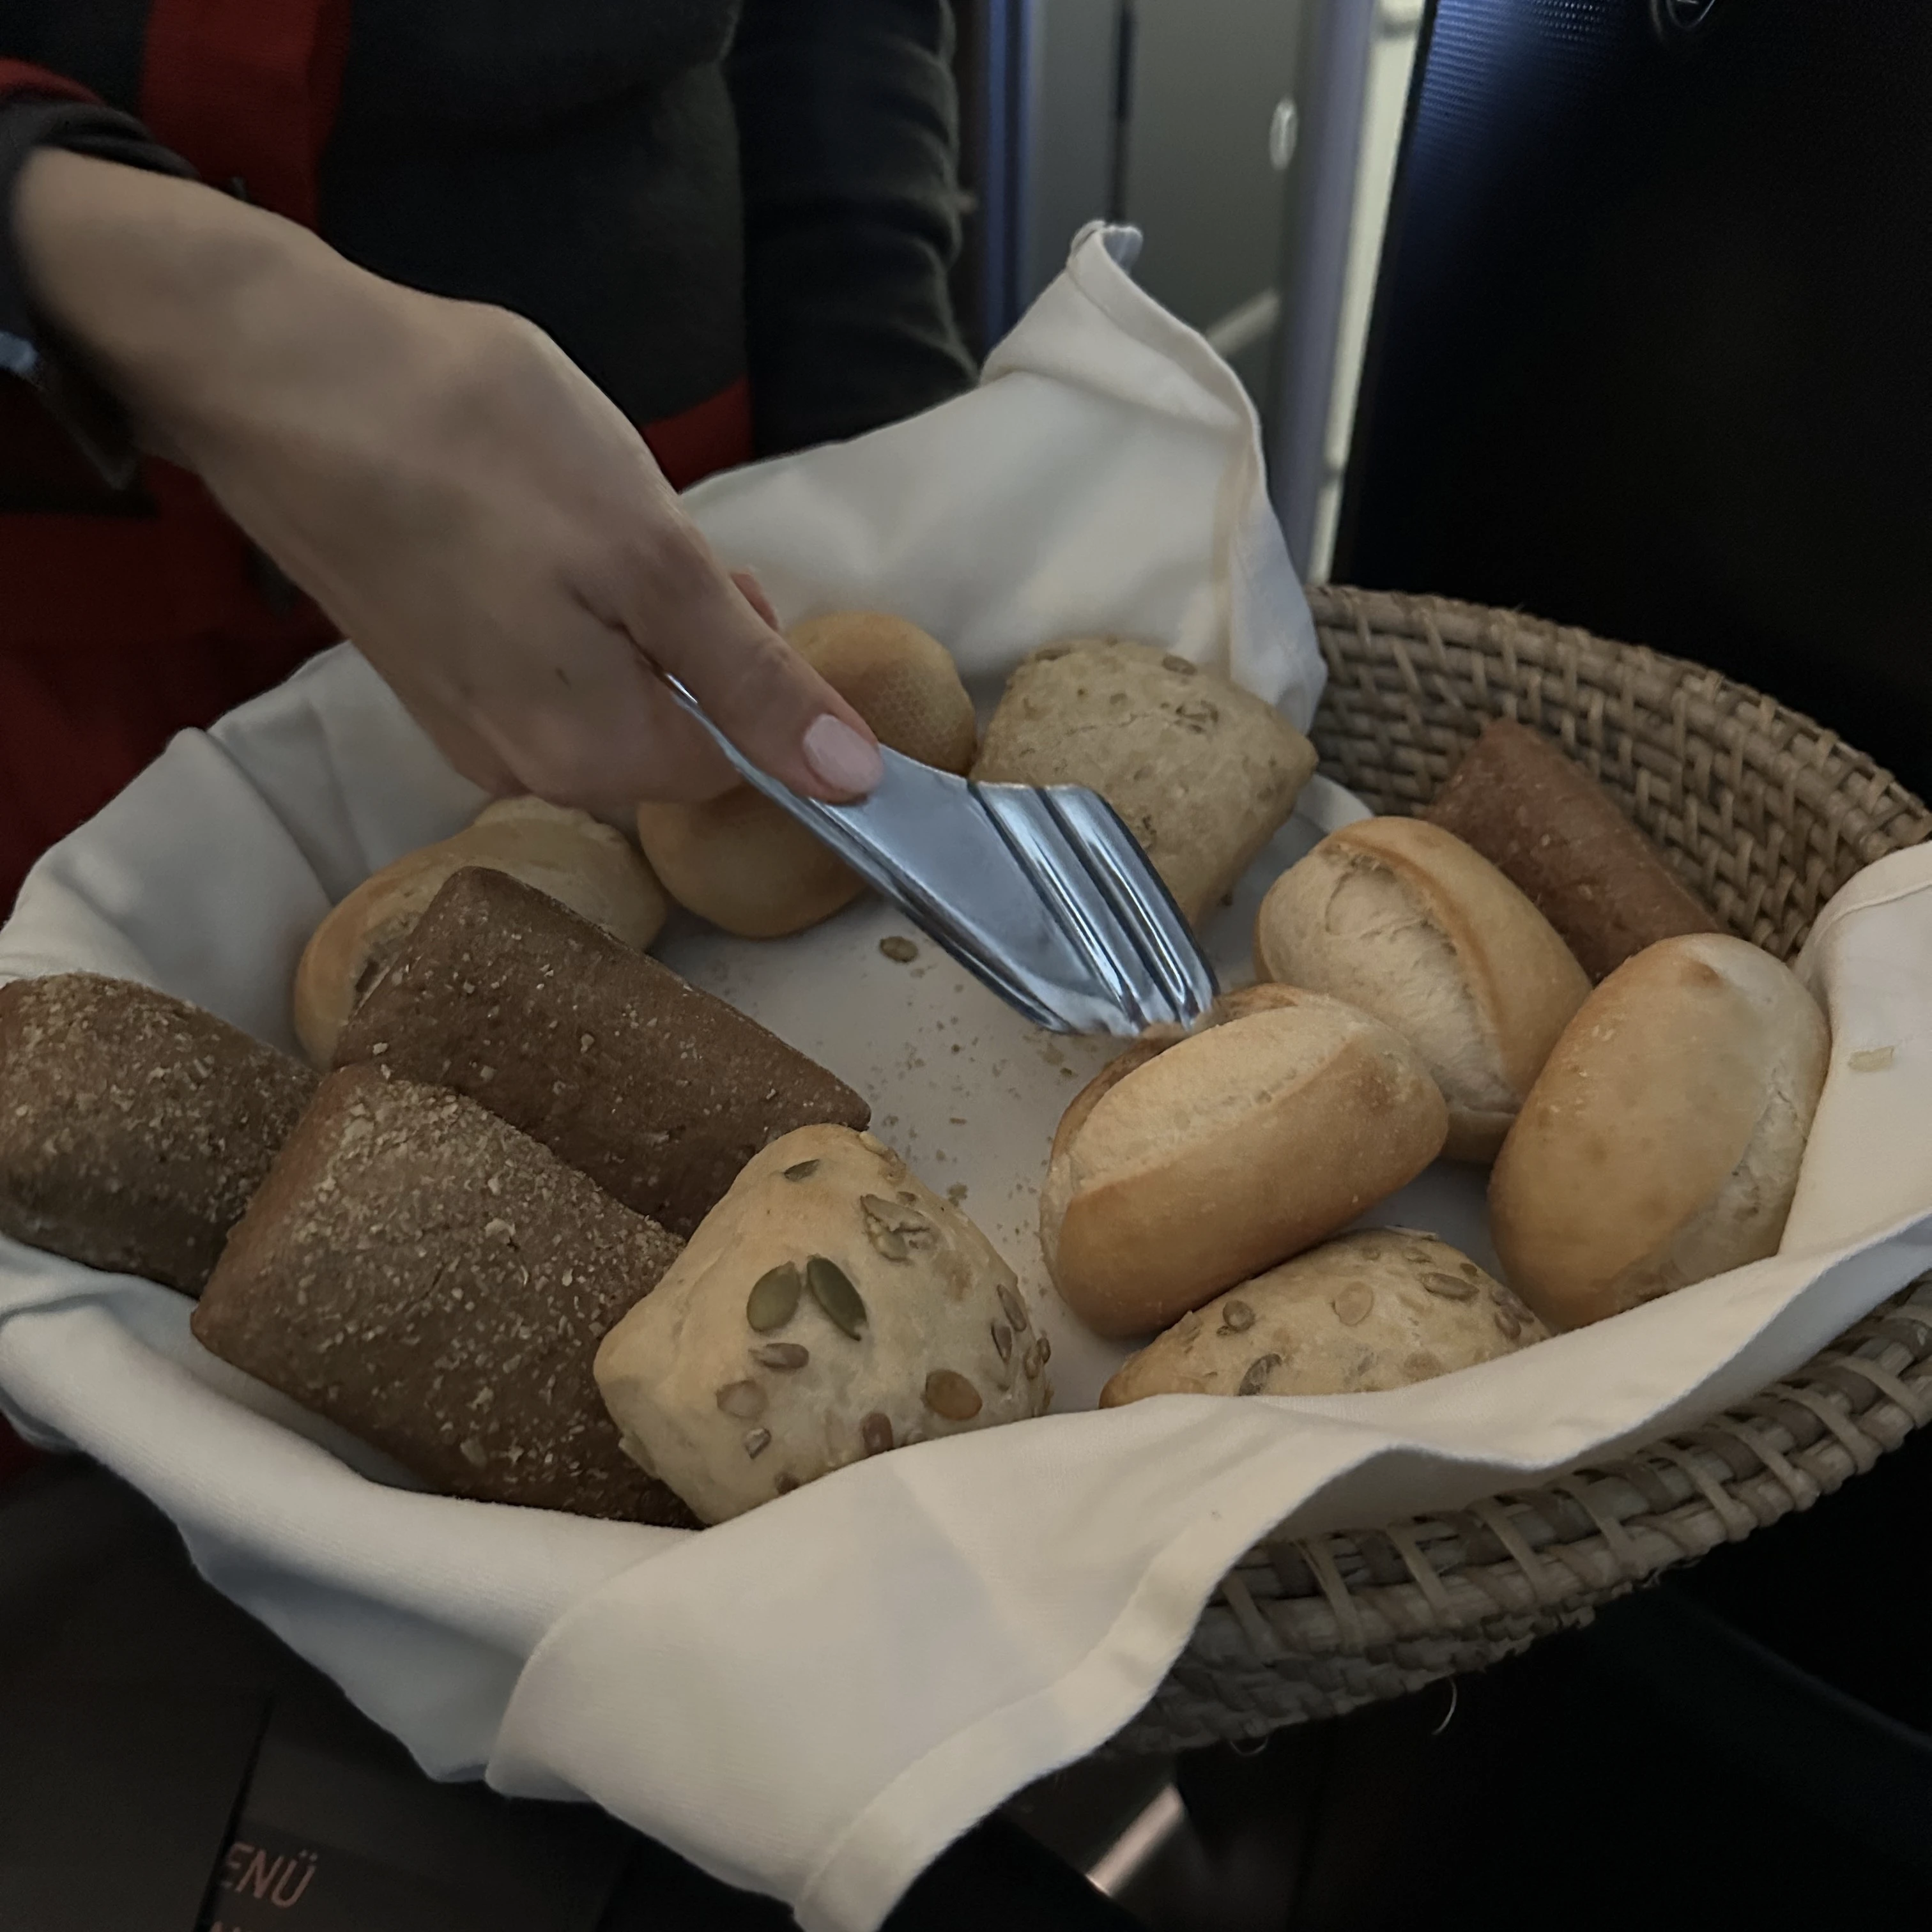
659	1092
133	1127
1557	836
435	1282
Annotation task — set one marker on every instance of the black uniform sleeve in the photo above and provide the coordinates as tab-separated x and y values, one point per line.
64	444
848	138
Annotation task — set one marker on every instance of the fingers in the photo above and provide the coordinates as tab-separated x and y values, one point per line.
594	728
687	615
754	596
470	755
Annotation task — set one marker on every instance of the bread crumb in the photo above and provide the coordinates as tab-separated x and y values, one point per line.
1872	1059
895	947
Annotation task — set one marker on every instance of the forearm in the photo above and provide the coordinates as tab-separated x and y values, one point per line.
173	294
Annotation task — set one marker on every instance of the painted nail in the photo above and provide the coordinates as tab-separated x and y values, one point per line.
842	759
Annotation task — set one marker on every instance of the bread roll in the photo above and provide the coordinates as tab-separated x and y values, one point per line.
1551	829
831	1307
572	857
1378	1309
903	683
1227	1153
1661	1142
437	1284
1406	922
742	863
133	1127
1202	772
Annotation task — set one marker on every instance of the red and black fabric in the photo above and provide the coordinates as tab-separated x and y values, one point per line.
583	169
119	629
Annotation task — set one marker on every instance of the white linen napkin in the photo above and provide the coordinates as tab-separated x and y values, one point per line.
812	1700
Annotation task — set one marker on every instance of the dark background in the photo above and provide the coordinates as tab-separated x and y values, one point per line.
1649	349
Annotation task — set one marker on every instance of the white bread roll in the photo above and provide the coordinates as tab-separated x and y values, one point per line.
1202	772
1228	1152
740	861
1403	919
1378	1309
1660	1144
576	858
748	1370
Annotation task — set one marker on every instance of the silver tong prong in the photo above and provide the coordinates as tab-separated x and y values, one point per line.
1042	893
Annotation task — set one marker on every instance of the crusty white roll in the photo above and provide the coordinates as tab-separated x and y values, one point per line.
1202	772
576	858
1228	1152
745	865
1661	1143
1378	1310
1403	919
830	1307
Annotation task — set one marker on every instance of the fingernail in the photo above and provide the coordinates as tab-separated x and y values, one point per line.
840	758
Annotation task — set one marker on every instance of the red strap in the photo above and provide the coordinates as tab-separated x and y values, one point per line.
14	1455
18	77
246	91
715	435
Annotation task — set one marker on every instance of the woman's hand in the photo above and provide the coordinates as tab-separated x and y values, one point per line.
456	496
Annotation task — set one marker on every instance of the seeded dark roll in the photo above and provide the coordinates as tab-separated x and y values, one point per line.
437	1283
133	1127
659	1092
1559	837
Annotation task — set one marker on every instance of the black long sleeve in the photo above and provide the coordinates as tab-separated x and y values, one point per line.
848	138
64	445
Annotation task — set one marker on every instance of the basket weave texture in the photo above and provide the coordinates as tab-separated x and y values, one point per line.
1764	815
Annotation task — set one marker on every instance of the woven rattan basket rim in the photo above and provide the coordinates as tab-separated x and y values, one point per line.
1765	815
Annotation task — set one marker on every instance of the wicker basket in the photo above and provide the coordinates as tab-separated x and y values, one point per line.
1765	815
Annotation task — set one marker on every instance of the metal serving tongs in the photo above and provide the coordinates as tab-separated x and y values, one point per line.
1041	892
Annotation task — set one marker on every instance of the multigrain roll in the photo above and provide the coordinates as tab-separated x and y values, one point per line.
656	1090
1378	1309
747	866
1202	773
575	858
436	1283
1227	1153
1548	826
831	1307
1403	919
1661	1143
133	1127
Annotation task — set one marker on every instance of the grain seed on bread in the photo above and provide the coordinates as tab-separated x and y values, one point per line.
1202	772
1377	1310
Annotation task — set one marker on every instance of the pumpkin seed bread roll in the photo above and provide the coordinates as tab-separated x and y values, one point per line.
1378	1309
658	1091
133	1127
831	1307
436	1283
1202	773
